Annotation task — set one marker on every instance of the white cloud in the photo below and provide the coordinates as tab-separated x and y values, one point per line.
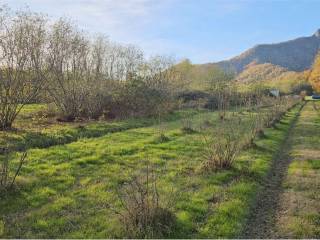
96	15
125	21
146	23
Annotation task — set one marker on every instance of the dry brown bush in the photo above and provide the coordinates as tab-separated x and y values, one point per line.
144	214
221	147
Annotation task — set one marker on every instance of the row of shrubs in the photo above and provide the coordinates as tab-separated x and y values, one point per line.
211	99
84	76
235	135
145	214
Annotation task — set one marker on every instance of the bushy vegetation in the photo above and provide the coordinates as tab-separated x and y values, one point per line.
221	154
144	213
85	176
236	133
201	77
22	48
86	79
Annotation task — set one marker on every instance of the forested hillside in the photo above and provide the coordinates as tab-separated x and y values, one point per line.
259	72
272	76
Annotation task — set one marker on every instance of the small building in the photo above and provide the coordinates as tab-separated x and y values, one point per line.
275	92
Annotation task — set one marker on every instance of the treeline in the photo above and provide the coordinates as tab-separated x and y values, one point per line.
85	77
201	77
92	77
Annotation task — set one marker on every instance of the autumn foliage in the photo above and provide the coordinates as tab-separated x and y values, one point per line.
314	77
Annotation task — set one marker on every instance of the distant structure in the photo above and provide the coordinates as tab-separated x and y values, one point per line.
275	92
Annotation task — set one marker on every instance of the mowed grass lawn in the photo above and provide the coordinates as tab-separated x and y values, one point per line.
64	191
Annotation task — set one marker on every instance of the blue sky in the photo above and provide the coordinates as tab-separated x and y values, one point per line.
201	30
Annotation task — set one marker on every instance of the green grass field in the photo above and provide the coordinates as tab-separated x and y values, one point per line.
300	202
72	174
32	130
309	98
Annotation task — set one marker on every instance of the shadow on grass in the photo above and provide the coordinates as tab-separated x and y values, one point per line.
27	140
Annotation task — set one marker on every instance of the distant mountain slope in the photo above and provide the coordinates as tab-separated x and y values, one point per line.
271	76
295	55
260	72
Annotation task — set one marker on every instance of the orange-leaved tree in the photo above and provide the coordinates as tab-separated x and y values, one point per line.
314	77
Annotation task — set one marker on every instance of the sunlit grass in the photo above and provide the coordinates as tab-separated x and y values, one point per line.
64	190
301	196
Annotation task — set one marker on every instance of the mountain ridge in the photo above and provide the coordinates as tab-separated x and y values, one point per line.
295	55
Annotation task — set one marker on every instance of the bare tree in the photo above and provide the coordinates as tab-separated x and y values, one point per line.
22	50
98	85
122	61
162	77
68	68
220	87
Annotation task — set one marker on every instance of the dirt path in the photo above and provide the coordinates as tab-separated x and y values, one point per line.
262	221
298	215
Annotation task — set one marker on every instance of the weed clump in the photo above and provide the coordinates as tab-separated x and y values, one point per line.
8	177
221	153
187	127
162	138
316	107
207	124
255	130
187	130
143	213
